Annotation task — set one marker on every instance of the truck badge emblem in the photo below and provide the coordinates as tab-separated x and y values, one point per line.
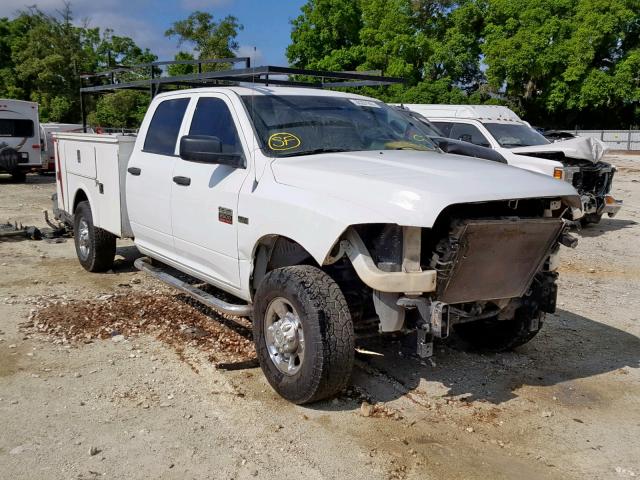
225	215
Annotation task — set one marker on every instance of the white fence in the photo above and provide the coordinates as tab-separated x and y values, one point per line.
615	139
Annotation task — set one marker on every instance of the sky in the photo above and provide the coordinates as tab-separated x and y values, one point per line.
266	22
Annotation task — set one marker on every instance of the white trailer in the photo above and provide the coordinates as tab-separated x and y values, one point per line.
19	137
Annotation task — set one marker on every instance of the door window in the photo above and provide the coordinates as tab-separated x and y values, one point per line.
162	134
213	118
444	127
468	133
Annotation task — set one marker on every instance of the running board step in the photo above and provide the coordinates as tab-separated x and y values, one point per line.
143	264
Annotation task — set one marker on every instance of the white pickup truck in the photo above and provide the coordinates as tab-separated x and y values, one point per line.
577	160
323	218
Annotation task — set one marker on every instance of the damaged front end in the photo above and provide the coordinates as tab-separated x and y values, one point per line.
493	260
585	170
593	182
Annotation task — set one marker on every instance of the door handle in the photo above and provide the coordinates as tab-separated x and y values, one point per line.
134	171
186	181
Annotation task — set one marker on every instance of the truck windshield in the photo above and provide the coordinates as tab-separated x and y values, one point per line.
515	135
294	125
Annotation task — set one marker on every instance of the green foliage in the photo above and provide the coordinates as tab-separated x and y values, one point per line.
177	69
566	60
210	39
39	60
324	35
121	109
557	62
42	56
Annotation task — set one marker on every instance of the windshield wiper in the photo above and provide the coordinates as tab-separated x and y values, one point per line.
316	151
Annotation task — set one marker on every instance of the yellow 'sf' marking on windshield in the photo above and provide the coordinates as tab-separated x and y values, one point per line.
284	141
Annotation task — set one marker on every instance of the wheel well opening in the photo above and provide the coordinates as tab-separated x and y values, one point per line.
80	197
276	251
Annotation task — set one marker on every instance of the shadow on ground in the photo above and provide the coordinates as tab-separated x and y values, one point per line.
125	256
32	179
606	225
569	347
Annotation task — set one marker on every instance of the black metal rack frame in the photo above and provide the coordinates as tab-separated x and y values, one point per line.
262	75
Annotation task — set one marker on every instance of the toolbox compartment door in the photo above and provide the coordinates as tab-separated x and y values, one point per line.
80	158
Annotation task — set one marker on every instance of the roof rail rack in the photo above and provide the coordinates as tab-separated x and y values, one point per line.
263	75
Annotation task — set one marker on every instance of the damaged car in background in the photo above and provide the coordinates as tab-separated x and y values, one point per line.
331	222
576	160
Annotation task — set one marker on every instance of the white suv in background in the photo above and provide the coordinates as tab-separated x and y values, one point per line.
577	160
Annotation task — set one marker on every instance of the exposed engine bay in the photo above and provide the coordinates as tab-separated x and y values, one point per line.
493	261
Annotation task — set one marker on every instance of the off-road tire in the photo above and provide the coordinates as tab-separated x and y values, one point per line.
102	244
328	333
590	219
492	335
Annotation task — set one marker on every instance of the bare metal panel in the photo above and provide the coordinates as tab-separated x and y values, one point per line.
498	258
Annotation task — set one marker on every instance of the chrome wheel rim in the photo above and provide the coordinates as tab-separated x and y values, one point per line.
84	242
284	336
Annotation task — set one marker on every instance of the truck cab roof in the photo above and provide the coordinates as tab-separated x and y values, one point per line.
493	113
244	90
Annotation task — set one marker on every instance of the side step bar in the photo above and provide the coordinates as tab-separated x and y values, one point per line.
143	264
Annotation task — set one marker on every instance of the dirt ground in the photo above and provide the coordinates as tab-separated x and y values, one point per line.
137	385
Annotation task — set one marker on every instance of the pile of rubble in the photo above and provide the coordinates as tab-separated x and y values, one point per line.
171	318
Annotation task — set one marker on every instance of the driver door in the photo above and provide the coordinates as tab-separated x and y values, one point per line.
204	196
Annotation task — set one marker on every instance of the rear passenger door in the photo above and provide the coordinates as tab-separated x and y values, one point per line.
205	196
149	178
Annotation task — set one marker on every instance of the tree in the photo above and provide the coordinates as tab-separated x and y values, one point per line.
210	39
122	109
565	61
178	69
325	34
42	56
399	37
45	54
557	62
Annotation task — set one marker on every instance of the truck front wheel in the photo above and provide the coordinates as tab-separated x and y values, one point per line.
95	247
303	334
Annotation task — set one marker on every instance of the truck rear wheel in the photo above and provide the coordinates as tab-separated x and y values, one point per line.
494	335
95	247
303	334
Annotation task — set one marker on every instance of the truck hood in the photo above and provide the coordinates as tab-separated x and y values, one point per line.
581	148
411	188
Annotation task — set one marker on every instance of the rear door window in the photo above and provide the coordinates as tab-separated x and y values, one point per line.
16	128
444	127
162	134
468	133
213	118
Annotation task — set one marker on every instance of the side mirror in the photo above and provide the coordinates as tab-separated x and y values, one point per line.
208	149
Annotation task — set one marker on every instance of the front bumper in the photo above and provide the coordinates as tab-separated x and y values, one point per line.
593	183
